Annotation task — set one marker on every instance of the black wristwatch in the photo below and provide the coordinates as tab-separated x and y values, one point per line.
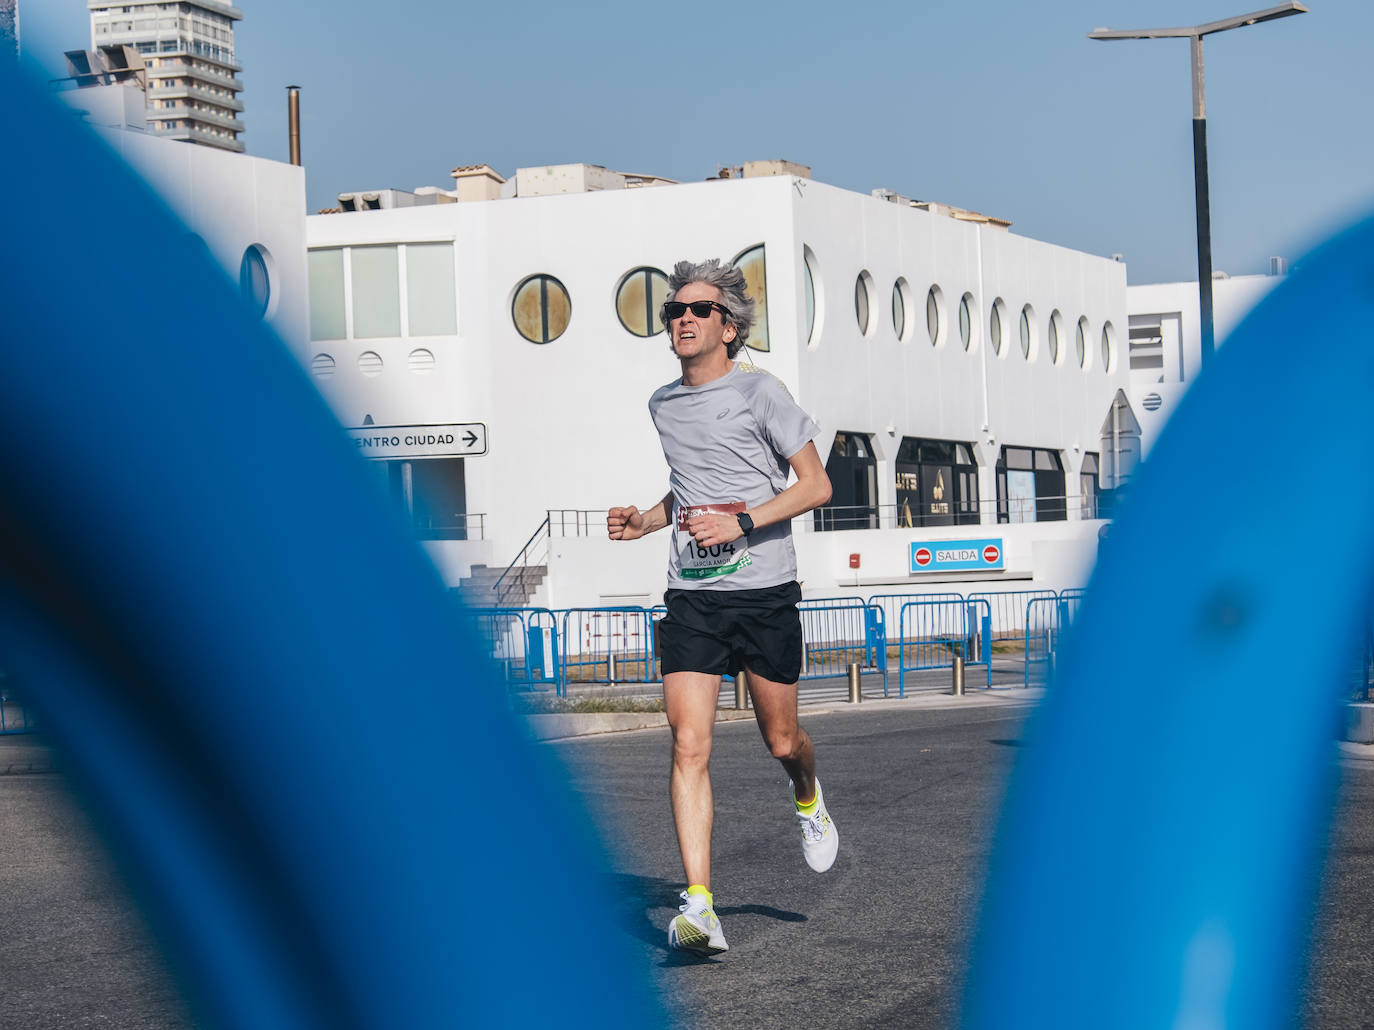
746	524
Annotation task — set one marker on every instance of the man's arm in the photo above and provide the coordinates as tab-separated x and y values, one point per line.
810	490
631	523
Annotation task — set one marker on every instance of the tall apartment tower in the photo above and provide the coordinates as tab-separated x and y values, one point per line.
188	50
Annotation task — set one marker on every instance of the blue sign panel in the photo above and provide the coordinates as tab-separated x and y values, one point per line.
956	555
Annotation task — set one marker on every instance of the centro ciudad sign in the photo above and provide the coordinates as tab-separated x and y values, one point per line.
442	441
955	555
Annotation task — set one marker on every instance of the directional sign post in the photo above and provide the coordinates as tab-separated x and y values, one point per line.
458	440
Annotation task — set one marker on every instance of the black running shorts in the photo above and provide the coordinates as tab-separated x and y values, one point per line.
722	631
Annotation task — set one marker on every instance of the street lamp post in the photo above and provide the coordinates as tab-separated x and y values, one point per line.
1204	219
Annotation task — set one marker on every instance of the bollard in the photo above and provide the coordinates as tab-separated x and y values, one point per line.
958	675
741	690
856	689
610	668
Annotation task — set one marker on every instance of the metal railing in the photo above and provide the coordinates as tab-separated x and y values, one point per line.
516	575
991	512
458	526
988	512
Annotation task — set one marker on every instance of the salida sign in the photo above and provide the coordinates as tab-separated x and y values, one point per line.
956	555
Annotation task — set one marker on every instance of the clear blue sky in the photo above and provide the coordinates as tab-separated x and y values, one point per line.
1003	106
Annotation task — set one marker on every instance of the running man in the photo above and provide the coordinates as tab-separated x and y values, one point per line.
730	433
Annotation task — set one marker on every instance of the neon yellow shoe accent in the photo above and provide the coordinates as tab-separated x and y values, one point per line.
697	928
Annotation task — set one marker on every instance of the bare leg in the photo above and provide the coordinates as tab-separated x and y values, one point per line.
775	709
690	699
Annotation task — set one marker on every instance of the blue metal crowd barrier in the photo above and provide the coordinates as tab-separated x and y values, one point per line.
839	635
15	715
608	645
522	641
932	633
1039	639
1008	610
850	601
891	604
540	646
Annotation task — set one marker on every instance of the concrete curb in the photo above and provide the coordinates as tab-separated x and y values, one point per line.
1359	722
568	725
563	726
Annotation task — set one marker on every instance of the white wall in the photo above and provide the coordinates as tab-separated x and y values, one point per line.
232	202
869	383
568	425
592	570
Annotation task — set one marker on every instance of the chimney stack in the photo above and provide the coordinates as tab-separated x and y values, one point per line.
293	119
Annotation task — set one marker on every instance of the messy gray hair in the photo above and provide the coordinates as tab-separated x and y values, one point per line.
729	280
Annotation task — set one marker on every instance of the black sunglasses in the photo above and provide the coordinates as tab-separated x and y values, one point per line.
674	309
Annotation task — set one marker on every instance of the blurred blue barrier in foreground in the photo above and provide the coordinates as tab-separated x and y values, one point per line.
1158	853
165	577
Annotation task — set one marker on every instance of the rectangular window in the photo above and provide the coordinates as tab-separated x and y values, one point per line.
430	302
376	292
327	294
1020	496
1087	484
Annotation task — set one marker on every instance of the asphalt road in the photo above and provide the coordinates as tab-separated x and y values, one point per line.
880	939
876	942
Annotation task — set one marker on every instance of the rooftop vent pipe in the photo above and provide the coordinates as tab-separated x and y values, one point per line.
293	120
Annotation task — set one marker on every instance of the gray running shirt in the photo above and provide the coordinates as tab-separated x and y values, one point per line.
727	444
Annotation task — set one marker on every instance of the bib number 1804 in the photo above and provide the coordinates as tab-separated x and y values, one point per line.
714	551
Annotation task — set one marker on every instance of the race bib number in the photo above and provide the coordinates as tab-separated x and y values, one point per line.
698	562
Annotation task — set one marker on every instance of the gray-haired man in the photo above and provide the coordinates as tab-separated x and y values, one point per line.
730	433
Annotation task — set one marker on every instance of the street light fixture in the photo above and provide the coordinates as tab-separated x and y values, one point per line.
1204	223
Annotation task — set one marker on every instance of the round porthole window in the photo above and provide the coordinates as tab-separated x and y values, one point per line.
968	335
997	321
901	307
639	301
541	309
934	321
863	302
1028	333
255	279
813	299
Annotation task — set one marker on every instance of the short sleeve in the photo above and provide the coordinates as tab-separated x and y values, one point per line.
785	425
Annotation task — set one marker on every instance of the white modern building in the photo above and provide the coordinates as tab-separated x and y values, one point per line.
494	352
188	52
1165	348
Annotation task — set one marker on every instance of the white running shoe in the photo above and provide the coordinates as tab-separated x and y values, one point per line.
697	929
820	837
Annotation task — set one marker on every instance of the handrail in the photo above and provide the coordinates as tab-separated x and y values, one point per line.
988	512
520	559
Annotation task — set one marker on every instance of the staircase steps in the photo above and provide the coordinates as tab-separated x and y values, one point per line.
476	591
